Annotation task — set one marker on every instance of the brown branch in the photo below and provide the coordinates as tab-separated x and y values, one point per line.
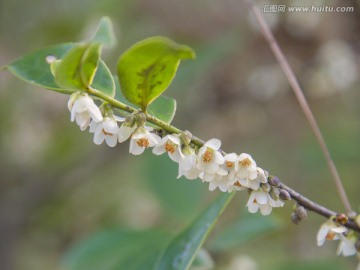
317	208
279	55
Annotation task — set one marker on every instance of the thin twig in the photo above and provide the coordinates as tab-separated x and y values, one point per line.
302	200
266	31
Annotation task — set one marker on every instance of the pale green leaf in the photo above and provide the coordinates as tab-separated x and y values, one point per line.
146	69
77	68
163	107
105	32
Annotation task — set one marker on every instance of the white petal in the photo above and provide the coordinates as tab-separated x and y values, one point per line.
251	198
111	140
212	186
159	150
339	229
153	139
253	184
192	174
175	156
93	126
137	150
221	172
261	197
125	132
99	138
253	207
187	162
213	143
174	139
110	126
265	209
321	235
231	157
219	159
95	112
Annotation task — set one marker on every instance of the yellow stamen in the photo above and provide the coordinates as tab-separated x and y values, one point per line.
170	147
229	164
245	162
143	142
330	236
208	156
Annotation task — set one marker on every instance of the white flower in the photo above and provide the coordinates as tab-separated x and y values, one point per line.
329	231
346	246
225	178
105	130
231	166
254	184
83	109
246	167
209	160
187	165
171	145
126	130
222	183
142	139
260	199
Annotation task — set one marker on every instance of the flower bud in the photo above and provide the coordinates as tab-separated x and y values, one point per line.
295	219
341	219
301	212
140	118
265	187
186	137
274	181
274	194
284	195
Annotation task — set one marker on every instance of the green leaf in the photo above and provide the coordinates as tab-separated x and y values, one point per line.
103	80
76	70
34	69
146	69
182	250
105	32
247	227
163	107
117	249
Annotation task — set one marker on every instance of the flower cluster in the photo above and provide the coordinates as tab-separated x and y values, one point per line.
227	172
333	231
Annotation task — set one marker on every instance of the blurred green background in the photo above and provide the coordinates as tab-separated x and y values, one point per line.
57	188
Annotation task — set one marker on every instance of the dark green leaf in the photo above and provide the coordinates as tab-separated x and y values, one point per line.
247	227
182	250
77	68
105	32
117	249
34	69
147	68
